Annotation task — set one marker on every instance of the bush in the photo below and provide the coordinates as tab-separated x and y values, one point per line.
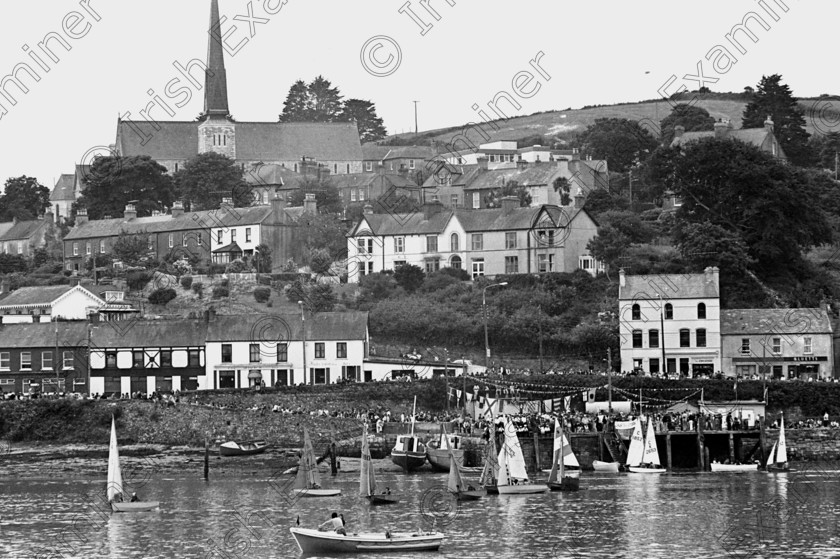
225	282
457	273
220	291
186	282
236	267
162	296
216	269
262	294
409	277
295	292
138	279
198	289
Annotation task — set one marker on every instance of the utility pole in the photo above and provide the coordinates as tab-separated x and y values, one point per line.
609	377
416	129
446	376
539	313
303	329
57	366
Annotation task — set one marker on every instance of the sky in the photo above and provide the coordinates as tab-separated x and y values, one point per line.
594	52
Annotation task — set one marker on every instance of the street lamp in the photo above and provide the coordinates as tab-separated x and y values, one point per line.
484	312
303	329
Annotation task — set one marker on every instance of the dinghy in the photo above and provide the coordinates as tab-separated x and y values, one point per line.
513	479
599	466
244	448
559	479
408	452
778	461
308	479
114	488
643	456
367	479
316	542
455	484
718	467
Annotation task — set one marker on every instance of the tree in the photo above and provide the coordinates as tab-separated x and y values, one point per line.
608	246
320	261
706	244
690	117
320	297
826	149
324	231
296	107
600	200
409	277
262	258
327	196
131	249
114	181
774	99
363	113
23	198
511	188
207	178
319	102
620	141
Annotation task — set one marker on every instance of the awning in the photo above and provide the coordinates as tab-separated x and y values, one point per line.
232	247
255	375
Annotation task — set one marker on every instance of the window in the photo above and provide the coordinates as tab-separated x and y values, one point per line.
545	263
455	262
777	345
75	248
701	337
453	199
341	350
411	164
672	365
492	158
320	350
233	235
477	241
545	238
26	360
320	375
282	352
184	238
476	201
636	312
227	353
102	246
368	166
435	198
352	194
653	338
20	248
254	353
511	264
637	338
166	358
745	346
137	359
171	242
399	244
477	268
87	248
431	243
199	239
510	239
247	234
365	246
745	370
219	236
684	366
701	311
807	342
669	311
193	359
110	359
5	358
432	265
454	242
654	365
398	263
361	195
685	337
46	360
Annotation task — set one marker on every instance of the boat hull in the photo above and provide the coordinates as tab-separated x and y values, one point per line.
408	461
439	459
524	489
313	541
734	467
316	492
383	499
640	470
137	506
566	484
469	495
491	489
234	449
778	468
605	466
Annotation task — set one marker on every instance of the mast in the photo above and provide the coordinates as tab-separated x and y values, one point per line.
413	414
562	450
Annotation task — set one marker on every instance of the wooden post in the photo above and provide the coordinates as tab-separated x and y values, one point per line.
668	447
762	440
600	446
537	449
732	447
206	458
706	455
702	460
333	467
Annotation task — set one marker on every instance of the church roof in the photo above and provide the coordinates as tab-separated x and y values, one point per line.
215	80
65	188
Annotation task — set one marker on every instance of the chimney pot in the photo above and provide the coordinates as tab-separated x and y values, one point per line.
177	209
81	216
130	212
482	163
227	201
310	205
509	203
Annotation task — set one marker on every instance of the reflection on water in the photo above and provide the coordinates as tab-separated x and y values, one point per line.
649	516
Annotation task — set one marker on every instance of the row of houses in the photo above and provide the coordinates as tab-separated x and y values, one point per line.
195	354
674	324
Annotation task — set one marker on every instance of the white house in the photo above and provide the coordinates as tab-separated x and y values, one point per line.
245	350
47	303
672	319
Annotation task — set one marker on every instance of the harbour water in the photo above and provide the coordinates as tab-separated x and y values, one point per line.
626	515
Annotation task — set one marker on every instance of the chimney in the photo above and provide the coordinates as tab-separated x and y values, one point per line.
721	130
509	203
709	272
521	164
575	154
130	212
768	124
81	216
4	286
430	209
310	205
403	172
278	204
679	130
210	315
716	275
227	202
380	168
75	281
622	281
14	220
580	199
482	162
48	215
177	209
368	210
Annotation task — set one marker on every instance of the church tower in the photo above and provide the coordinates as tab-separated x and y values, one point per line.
217	131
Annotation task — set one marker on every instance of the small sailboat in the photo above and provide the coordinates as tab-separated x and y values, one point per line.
115	481
408	452
367	479
778	461
455	483
559	479
308	479
491	464
438	452
643	456
513	479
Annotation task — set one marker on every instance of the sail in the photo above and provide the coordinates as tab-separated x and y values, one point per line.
515	458
455	483
367	482
307	476
772	457
558	449
503	478
115	482
491	463
569	458
651	451
781	455
637	446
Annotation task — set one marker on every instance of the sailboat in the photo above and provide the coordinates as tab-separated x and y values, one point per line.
559	479
643	456
778	461
115	482
308	480
408	452
455	483
491	463
513	479
367	479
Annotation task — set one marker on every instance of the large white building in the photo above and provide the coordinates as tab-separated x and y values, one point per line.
671	320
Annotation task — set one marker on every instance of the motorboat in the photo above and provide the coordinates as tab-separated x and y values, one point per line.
316	542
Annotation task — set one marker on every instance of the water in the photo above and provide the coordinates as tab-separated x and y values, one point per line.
670	516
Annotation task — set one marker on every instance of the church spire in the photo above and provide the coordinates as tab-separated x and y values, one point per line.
215	82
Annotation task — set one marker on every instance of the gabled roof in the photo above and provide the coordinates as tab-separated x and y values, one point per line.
754	136
670	286
5	226
42	334
368	179
149	333
775	321
65	188
383	153
35	295
272	175
22	230
271	328
232	247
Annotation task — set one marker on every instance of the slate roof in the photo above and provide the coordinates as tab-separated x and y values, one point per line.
255	141
232	247
165	223
272	175
753	136
149	333
382	153
42	334
670	286
22	230
367	179
270	328
777	321
35	295
5	226
64	189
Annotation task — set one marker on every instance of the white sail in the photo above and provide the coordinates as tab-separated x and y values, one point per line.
515	458
455	483
781	455
651	451
771	459
569	458
115	482
637	446
307	476
504	478
367	482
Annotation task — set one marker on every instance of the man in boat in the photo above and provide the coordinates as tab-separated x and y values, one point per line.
118	498
134	498
334	524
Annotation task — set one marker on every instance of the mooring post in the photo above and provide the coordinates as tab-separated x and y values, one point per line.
731	447
668	448
537	448
333	466
762	440
701	444
206	458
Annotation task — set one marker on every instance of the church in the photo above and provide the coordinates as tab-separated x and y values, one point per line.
334	146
